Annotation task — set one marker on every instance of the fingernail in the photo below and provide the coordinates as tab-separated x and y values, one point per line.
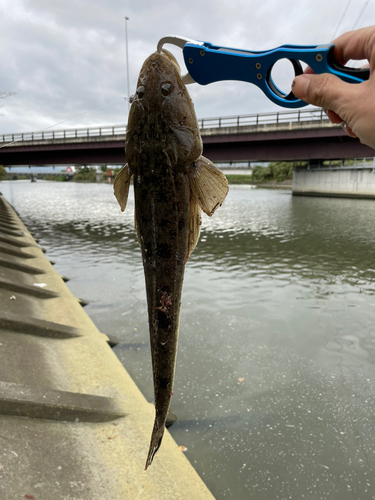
300	86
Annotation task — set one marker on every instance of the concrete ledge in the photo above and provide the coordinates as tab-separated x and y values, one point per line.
8	225
55	364
11	232
37	327
15	252
34	291
36	402
14	242
20	267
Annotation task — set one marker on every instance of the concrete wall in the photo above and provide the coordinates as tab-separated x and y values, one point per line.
236	171
356	183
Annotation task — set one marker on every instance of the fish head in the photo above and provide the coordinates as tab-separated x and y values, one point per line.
162	114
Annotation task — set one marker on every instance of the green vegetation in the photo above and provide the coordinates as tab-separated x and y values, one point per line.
85	174
262	174
58	178
3	173
348	162
274	172
17	177
239	179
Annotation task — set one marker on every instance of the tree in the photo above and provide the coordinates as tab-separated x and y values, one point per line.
275	171
3	173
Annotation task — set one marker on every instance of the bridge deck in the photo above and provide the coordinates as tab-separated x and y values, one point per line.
297	135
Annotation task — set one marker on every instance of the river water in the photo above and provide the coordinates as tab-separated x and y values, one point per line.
275	378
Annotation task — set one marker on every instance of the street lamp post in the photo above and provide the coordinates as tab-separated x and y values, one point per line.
127	59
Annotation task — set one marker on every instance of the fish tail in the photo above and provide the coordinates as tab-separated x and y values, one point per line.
156	438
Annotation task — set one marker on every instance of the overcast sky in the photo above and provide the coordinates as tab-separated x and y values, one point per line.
63	57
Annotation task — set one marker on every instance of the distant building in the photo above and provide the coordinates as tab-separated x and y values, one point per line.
71	169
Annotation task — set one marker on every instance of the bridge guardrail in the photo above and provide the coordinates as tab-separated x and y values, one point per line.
263	119
204	123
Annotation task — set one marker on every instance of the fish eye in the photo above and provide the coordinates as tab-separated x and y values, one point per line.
166	88
140	91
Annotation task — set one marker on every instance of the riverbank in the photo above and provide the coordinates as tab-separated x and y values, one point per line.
274	175
287	184
246	179
232	180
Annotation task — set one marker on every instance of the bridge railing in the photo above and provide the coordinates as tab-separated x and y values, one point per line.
263	119
62	134
258	119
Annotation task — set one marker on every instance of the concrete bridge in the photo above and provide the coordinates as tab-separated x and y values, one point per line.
286	135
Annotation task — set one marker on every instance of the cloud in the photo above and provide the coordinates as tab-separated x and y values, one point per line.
65	57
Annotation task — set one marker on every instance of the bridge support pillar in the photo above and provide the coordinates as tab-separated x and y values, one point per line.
340	182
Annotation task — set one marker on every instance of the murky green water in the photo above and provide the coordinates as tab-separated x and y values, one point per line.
275	378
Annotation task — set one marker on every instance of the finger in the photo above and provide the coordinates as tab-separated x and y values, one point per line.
349	131
337	120
326	91
334	118
354	45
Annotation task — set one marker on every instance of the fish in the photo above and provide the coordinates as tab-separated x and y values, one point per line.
173	183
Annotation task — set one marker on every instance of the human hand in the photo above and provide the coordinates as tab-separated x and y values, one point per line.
353	104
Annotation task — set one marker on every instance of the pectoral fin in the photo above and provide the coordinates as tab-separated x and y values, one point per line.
121	186
208	184
195	221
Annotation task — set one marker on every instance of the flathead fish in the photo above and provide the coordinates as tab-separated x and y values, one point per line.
172	184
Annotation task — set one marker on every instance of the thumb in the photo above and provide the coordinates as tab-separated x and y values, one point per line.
325	90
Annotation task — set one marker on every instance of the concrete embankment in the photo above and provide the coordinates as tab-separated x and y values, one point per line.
335	182
276	185
73	425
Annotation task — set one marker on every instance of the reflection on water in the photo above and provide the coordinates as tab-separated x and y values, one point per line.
275	375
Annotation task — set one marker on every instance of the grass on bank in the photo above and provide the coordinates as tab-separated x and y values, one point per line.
239	179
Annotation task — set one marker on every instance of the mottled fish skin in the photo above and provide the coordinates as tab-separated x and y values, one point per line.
173	183
162	140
